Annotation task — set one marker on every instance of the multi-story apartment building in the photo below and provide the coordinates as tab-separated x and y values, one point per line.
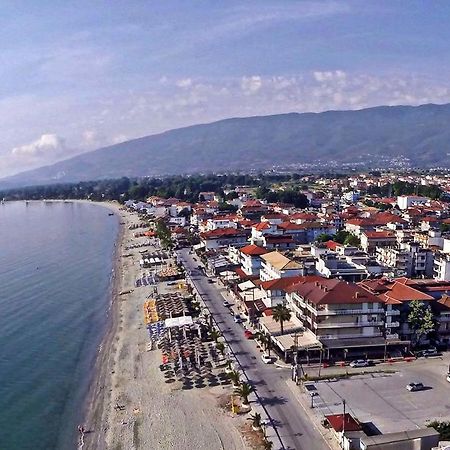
370	240
250	259
341	315
441	267
276	265
410	260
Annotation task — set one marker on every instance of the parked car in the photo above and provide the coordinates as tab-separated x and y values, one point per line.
448	377
311	390
415	386
210	281
248	334
430	352
226	304
266	359
359	363
238	318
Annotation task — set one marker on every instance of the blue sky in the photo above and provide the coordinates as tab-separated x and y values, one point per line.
75	76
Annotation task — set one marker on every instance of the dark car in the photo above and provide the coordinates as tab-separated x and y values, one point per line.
311	389
415	386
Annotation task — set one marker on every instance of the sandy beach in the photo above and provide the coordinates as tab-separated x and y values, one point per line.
130	406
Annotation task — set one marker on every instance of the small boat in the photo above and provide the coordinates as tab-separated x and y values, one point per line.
110	214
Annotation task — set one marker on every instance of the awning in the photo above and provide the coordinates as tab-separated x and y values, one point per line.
178	321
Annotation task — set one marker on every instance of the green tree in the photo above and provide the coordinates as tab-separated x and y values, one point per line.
281	314
244	391
323	237
352	240
265	341
420	320
256	421
443	428
235	377
215	335
221	347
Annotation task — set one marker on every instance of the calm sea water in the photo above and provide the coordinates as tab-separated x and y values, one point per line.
55	273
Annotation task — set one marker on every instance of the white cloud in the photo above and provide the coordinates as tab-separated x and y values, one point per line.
184	83
46	146
252	84
329	75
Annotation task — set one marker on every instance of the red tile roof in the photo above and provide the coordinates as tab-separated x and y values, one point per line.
281	284
262	226
253	250
290	226
395	291
243	276
331	291
379	234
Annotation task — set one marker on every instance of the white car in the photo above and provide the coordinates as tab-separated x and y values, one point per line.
226	304
359	363
266	359
448	377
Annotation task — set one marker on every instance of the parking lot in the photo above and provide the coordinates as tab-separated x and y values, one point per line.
382	398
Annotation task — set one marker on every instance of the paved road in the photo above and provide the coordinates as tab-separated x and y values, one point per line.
294	427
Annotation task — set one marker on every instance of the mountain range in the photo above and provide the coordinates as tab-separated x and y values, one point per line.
418	133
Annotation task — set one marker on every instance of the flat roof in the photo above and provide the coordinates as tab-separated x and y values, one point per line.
400	436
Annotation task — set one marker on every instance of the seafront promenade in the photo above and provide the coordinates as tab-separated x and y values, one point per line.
132	405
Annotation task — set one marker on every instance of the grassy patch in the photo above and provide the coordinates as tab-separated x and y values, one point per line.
341	376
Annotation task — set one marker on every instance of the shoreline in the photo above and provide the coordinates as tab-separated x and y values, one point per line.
94	403
130	403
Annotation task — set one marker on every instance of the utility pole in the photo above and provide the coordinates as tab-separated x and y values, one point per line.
295	371
343	423
320	360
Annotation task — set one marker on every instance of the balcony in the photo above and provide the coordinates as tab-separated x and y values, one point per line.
393	312
342	312
348	336
392	336
392	324
347	324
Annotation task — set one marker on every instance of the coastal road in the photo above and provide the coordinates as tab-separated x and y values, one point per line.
294	427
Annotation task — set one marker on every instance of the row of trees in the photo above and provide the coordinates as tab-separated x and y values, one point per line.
292	196
405	188
186	188
341	237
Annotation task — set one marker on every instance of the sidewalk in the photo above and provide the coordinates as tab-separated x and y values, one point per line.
314	415
257	407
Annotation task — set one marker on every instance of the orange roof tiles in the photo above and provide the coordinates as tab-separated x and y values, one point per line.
253	250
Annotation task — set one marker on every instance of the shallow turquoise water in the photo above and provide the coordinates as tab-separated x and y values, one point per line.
55	273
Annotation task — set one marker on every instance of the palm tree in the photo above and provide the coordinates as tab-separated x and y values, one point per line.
256	421
281	314
221	347
264	340
235	377
215	335
244	391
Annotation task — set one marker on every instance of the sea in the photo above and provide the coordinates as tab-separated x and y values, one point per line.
56	261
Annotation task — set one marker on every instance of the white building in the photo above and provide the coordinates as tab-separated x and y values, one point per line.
406	201
276	265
